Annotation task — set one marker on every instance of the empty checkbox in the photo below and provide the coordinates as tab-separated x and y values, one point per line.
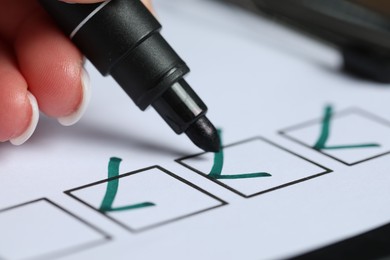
42	229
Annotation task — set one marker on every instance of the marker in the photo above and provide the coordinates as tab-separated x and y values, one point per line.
122	39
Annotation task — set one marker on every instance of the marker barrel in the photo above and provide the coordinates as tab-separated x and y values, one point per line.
122	38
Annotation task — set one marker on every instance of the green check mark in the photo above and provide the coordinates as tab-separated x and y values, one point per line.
112	189
325	133
216	171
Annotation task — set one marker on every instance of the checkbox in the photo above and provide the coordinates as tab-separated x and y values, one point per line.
351	137
255	166
155	195
42	229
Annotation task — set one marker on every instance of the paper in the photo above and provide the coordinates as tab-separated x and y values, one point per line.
305	162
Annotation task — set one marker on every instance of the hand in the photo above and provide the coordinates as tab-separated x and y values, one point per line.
40	69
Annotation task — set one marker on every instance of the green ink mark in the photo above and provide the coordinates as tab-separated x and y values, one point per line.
339	147
112	189
325	129
216	171
243	176
136	206
325	133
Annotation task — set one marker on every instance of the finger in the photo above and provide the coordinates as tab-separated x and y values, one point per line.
12	14
16	111
52	66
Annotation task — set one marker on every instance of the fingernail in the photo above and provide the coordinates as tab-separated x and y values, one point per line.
86	92
33	123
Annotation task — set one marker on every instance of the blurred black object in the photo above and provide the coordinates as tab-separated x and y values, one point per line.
359	28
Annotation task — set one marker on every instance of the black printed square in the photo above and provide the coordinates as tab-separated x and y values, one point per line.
147	198
254	167
351	137
42	229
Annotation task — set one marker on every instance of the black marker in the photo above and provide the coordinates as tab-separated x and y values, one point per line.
121	38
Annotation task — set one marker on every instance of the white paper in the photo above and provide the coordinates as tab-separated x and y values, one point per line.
266	88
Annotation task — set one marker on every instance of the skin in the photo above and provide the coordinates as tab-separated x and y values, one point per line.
35	56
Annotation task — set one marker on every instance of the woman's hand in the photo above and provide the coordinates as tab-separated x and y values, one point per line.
40	69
